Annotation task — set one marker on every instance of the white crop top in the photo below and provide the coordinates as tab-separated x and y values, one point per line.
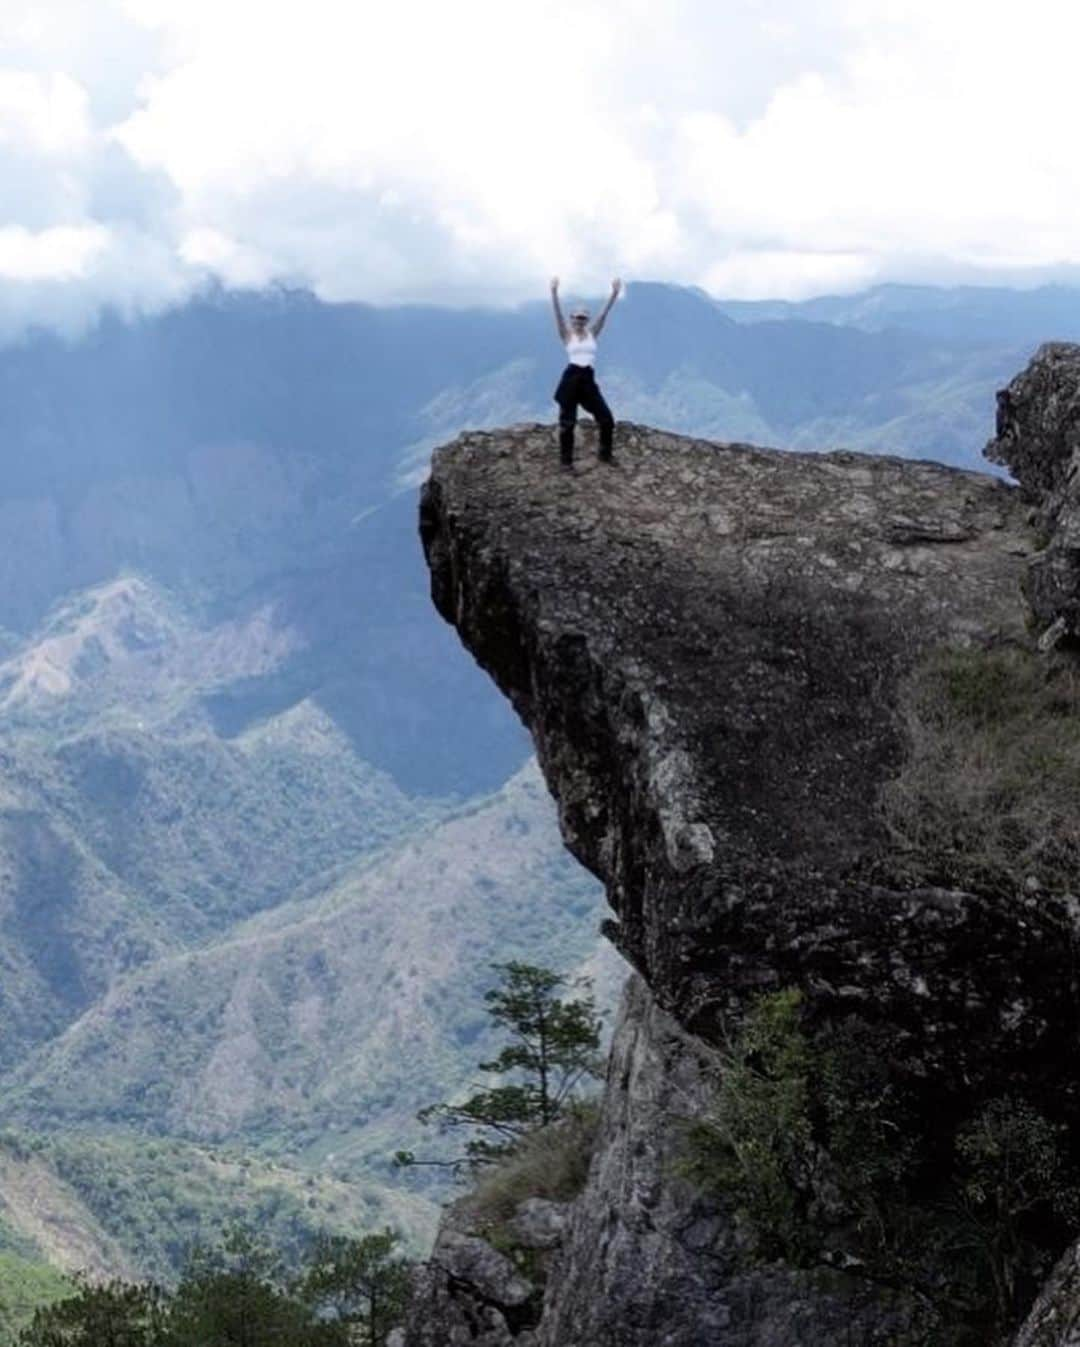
581	350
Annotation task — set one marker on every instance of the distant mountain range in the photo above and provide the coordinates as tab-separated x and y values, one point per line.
263	826
981	315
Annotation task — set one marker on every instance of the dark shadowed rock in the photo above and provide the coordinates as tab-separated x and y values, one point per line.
709	644
1055	1318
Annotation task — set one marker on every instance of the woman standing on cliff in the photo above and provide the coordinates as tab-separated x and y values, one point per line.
578	387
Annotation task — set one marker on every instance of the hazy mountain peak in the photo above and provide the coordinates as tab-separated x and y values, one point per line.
85	638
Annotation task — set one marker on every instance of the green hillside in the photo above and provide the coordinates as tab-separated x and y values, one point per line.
122	1205
323	1025
251	939
25	1284
129	828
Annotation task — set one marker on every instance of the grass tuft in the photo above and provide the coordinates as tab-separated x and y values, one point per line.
552	1163
989	788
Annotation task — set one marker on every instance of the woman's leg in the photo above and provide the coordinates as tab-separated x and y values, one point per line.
593	402
567	395
567	422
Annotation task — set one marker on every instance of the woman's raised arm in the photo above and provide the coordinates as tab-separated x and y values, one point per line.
560	321
601	319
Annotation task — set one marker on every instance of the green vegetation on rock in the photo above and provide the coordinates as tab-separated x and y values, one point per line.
988	790
551	1163
809	1140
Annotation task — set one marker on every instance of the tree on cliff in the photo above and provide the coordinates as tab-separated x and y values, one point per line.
552	1051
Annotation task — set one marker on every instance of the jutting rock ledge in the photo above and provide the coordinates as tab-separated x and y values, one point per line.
713	646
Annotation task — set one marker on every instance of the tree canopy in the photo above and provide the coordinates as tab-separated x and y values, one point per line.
349	1293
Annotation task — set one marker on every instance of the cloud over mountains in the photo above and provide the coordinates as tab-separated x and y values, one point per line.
461	153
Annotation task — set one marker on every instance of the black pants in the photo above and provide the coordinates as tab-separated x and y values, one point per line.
577	388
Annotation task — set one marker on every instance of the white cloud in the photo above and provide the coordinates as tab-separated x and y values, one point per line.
789	273
53	254
45	114
220	256
464	152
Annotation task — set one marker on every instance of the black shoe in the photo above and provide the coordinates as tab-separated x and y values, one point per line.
566	467
607	458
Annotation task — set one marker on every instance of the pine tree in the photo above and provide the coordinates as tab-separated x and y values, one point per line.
552	1051
115	1314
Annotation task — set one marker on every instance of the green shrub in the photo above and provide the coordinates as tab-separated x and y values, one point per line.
756	1141
1011	1169
807	1136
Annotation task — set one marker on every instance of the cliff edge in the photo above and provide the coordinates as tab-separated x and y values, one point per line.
747	673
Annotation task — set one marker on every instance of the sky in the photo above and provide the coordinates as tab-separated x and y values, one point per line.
464	152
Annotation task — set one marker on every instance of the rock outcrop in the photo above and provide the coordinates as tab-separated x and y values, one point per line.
1054	1320
1038	440
710	645
649	1258
472	1295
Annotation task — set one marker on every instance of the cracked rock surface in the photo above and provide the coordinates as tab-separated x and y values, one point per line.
469	1293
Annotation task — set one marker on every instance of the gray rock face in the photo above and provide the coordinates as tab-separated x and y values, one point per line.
470	1293
465	1258
656	1231
649	1261
708	644
1038	439
539	1224
1054	1320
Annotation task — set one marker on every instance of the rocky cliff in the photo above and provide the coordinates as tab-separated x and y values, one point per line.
1038	439
754	680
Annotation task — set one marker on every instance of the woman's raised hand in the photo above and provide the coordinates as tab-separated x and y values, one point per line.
616	286
554	284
